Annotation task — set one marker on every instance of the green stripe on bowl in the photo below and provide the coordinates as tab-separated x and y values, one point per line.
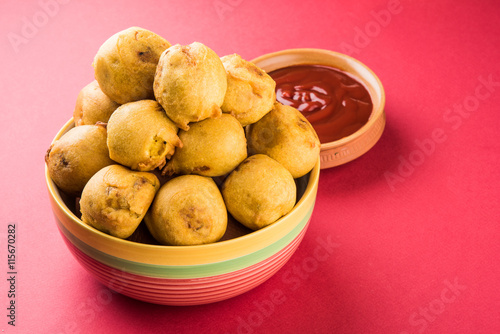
192	271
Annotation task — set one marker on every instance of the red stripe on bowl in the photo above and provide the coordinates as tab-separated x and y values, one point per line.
192	291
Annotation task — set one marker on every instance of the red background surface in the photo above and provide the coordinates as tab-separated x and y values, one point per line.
413	225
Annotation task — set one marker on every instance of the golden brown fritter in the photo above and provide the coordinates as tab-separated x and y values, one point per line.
76	156
115	199
212	147
250	90
141	136
93	106
188	210
125	64
190	83
259	191
285	135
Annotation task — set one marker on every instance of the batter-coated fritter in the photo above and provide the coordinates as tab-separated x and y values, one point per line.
212	147
116	199
141	136
259	191
285	135
188	210
76	156
125	64
93	106
250	90
190	83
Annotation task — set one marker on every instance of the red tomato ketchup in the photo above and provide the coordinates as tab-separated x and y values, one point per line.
335	103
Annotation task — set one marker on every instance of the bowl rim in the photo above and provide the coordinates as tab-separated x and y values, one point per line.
371	131
180	255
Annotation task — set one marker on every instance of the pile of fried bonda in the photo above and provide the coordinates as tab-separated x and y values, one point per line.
178	139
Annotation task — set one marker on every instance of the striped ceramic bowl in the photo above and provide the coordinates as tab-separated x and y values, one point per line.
184	275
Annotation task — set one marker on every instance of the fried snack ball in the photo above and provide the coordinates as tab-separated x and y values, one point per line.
125	64
190	83
285	135
187	210
76	156
115	199
212	147
250	90
259	191
141	136
93	106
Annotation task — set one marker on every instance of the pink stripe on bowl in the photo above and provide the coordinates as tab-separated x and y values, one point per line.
192	291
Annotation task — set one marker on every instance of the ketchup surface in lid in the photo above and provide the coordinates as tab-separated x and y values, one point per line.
335	103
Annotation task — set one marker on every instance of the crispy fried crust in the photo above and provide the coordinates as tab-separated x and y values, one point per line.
125	64
190	83
188	210
259	191
93	106
212	147
250	90
116	199
141	136
285	135
76	156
